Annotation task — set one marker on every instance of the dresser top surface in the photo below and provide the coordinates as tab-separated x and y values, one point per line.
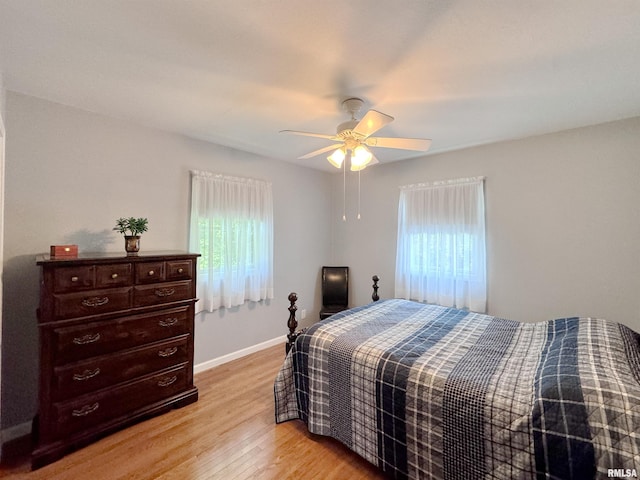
114	257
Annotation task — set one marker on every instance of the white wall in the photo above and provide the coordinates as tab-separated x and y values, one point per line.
3	98
70	174
2	150
562	213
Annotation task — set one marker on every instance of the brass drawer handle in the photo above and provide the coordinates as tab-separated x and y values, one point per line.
95	301
86	375
165	292
74	279
114	275
166	381
89	338
167	352
169	322
86	410
151	273
181	270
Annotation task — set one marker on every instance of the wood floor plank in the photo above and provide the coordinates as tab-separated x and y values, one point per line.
230	433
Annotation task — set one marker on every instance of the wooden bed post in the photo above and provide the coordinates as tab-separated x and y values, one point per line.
292	323
375	296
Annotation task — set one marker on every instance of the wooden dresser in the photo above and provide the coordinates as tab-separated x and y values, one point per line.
116	344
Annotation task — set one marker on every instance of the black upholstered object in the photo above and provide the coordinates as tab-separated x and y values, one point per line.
335	290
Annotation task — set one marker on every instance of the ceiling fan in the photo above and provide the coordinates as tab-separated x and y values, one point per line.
355	137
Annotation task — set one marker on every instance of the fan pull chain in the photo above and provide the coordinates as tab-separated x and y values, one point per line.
344	191
359	194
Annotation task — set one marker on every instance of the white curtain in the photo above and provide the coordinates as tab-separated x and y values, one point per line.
232	228
441	253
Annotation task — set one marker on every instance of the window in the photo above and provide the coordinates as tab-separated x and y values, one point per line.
232	229
441	254
220	244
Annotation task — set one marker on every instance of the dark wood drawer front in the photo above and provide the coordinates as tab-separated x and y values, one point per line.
70	279
179	270
72	305
98	338
150	272
90	375
90	410
159	293
118	275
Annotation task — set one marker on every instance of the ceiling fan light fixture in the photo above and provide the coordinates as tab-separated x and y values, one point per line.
337	157
353	138
360	158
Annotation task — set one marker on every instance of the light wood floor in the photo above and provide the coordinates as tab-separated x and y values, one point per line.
230	433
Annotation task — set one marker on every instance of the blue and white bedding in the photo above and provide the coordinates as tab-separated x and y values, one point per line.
425	391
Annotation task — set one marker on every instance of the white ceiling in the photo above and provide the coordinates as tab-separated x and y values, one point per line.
461	72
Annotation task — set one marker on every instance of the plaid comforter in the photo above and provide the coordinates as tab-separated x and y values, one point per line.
431	392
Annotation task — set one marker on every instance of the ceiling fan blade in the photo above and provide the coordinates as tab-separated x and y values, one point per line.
372	122
319	151
309	134
418	144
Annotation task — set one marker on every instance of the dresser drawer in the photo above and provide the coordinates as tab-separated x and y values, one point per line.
70	279
150	272
117	275
90	375
108	404
98	338
71	305
179	270
160	293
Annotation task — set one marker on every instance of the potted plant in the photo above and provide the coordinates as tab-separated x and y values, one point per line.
131	228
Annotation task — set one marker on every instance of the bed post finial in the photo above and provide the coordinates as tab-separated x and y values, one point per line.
292	323
375	296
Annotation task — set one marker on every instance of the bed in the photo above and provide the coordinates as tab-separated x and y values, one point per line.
425	391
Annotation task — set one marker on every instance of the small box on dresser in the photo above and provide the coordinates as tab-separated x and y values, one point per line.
116	344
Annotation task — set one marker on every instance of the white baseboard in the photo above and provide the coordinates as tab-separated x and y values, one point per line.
201	367
17	431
